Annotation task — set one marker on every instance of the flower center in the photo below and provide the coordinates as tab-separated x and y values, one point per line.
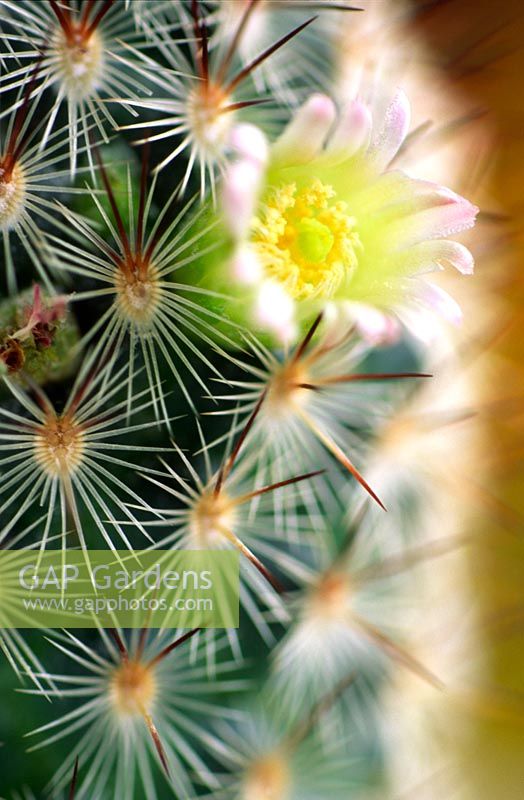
267	779
208	121
138	294
12	195
59	446
80	61
306	239
133	688
210	517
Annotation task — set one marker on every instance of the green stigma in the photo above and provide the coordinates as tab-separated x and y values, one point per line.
314	240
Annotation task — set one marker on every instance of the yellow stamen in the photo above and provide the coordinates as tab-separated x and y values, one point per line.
306	239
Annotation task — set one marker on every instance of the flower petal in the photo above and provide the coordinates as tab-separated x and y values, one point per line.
440	302
444	214
436	251
374	325
386	143
307	132
275	311
249	142
240	195
453	215
353	129
245	266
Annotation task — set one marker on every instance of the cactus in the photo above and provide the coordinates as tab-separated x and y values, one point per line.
235	347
